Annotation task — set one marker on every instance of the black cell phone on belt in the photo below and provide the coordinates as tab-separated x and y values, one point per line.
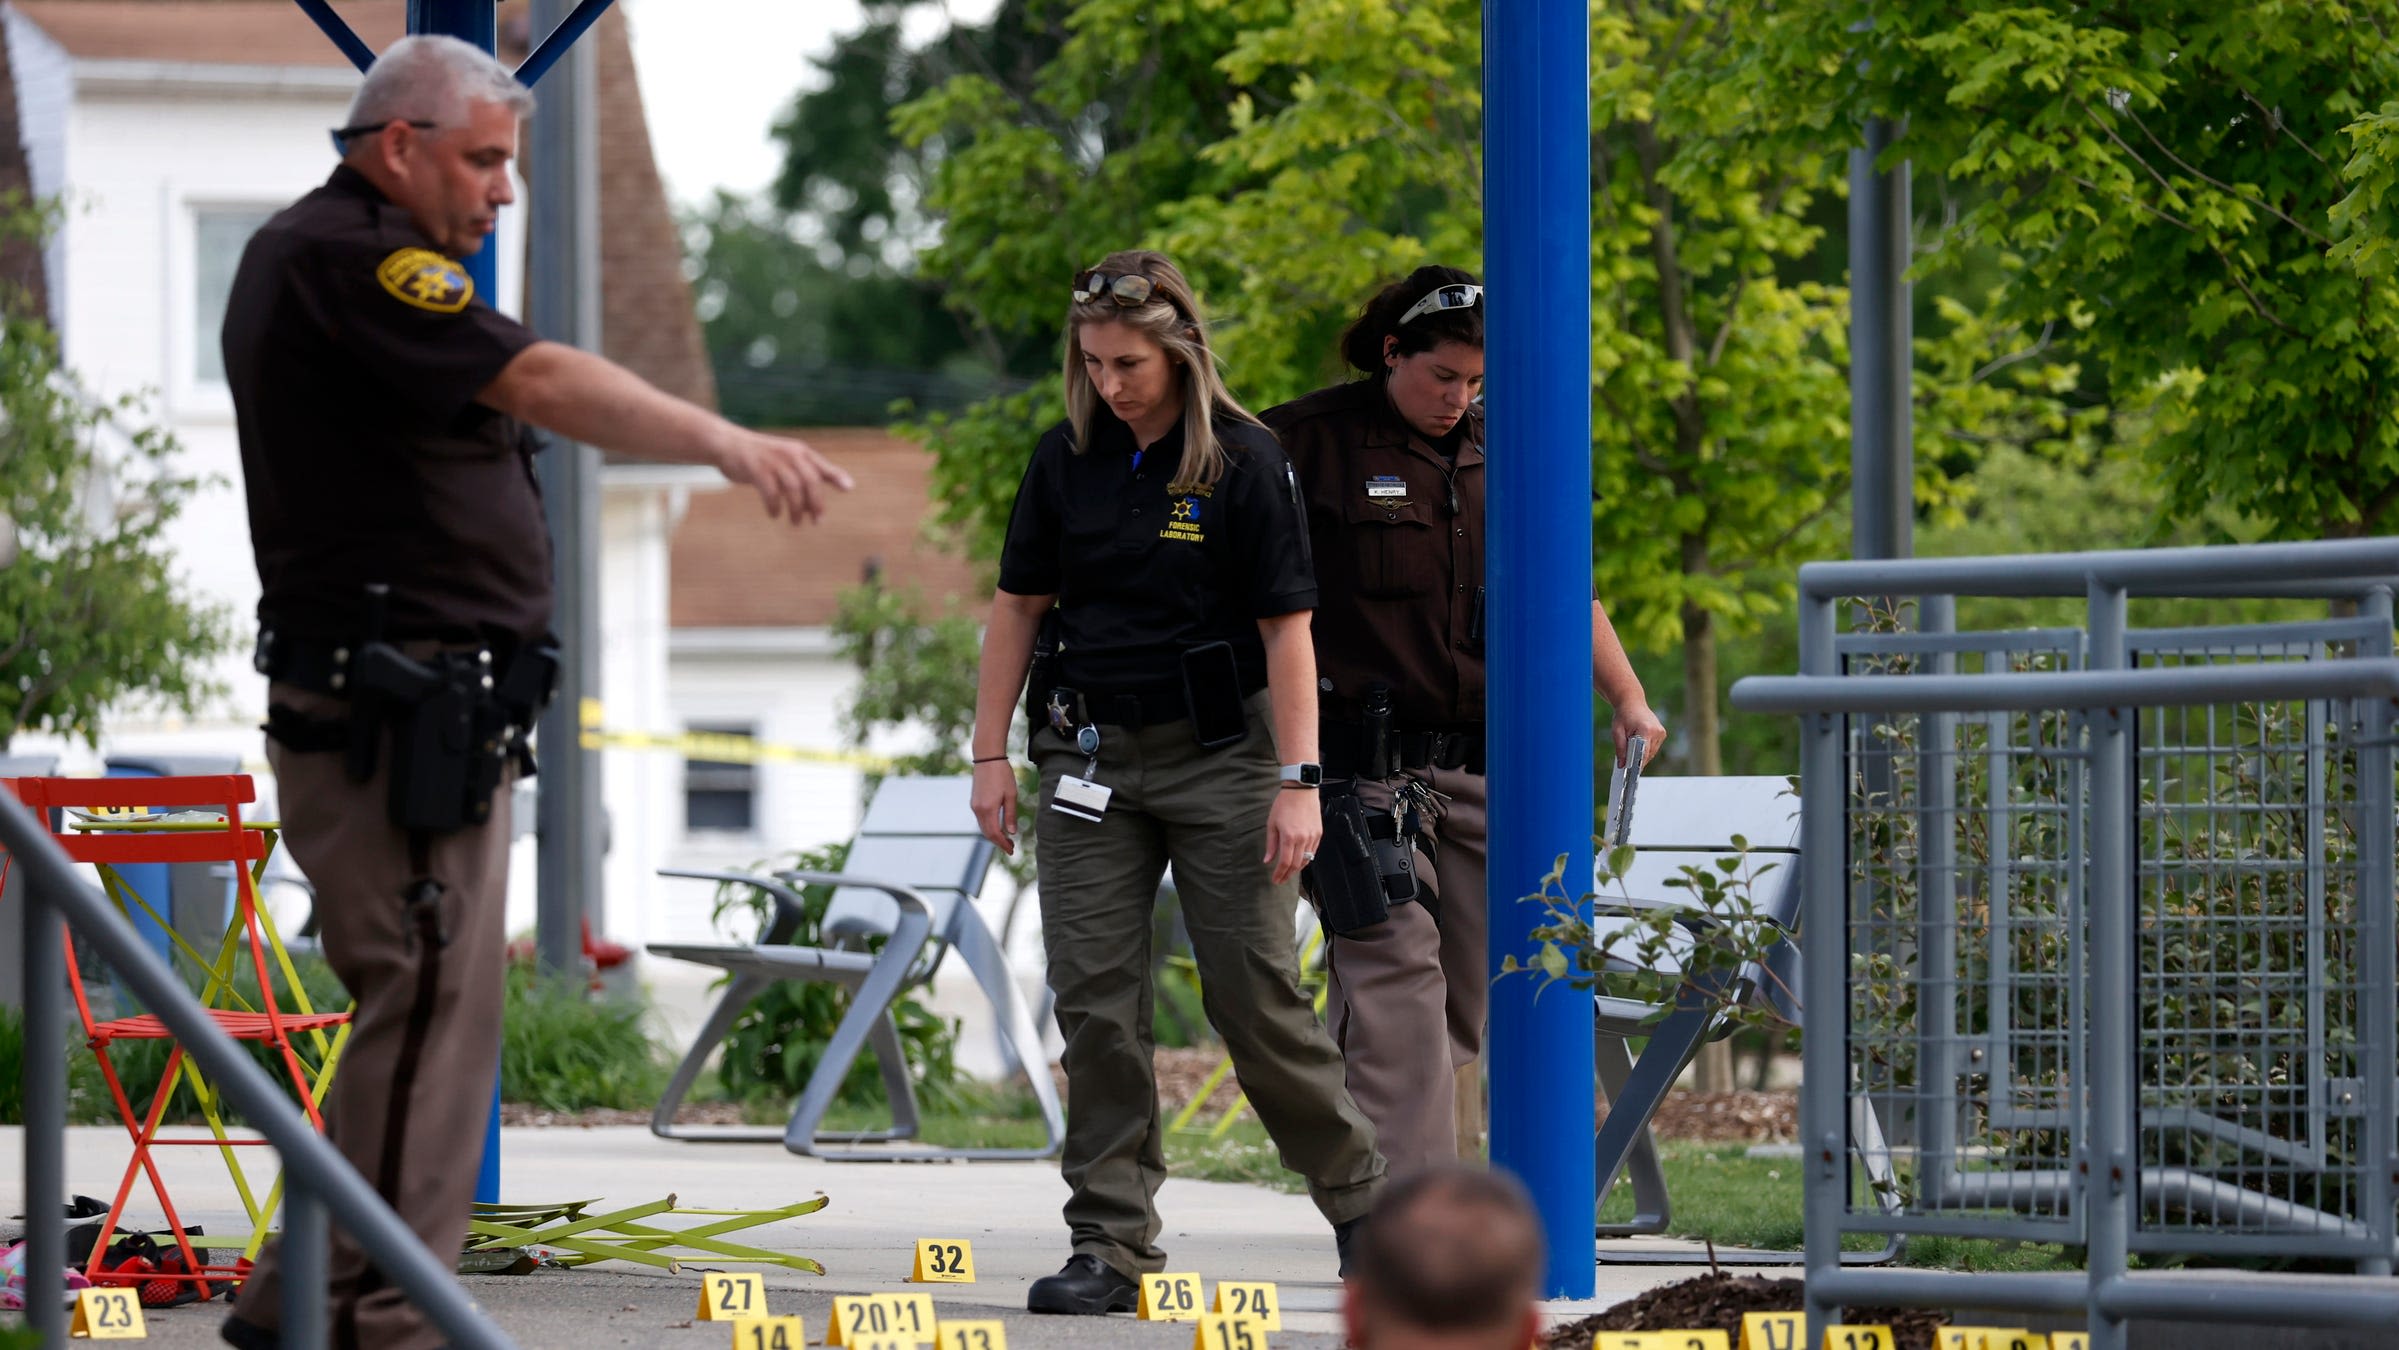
1212	693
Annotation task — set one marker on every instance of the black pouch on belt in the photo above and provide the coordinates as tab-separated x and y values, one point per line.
1212	694
1394	857
434	750
1041	674
1344	877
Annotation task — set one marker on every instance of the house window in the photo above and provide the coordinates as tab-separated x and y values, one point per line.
720	796
219	234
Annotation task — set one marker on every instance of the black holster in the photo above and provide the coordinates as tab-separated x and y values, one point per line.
1366	864
455	728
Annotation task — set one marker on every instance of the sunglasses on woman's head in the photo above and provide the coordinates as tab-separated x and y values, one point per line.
1129	289
1457	295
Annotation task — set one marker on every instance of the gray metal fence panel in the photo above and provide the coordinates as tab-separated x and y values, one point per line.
2108	922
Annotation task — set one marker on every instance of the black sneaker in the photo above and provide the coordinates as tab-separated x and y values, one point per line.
1344	1234
248	1336
1086	1286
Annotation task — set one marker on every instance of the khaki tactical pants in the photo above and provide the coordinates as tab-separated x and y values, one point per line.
412	1094
1205	812
1409	998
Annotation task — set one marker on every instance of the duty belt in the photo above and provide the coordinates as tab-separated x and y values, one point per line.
1346	754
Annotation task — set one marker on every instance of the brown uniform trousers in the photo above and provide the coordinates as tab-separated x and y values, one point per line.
412	1094
1205	812
1409	997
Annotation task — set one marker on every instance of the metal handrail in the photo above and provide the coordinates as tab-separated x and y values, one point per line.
2322	569
321	1181
2026	691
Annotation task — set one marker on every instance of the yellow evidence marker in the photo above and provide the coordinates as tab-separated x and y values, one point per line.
1862	1336
770	1333
1662	1340
1773	1330
912	1316
1990	1338
725	1296
108	1315
856	1317
882	1343
974	1336
2069	1340
1215	1331
1257	1301
1170	1298
944	1261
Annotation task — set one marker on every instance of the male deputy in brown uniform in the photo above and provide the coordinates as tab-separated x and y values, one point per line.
1391	468
383	407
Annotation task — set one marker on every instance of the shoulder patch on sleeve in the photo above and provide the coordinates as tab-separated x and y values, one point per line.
426	279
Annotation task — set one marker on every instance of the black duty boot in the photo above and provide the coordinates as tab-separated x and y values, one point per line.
1087	1286
249	1336
1344	1235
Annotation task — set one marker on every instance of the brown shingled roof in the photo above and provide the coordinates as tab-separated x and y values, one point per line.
647	322
733	567
210	32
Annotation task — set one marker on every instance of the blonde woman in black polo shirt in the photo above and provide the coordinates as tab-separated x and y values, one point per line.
1157	540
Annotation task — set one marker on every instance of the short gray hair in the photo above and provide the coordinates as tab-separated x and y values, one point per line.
432	78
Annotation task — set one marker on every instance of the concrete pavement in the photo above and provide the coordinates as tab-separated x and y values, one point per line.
865	1238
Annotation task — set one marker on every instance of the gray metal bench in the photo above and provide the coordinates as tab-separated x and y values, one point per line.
910	879
1680	824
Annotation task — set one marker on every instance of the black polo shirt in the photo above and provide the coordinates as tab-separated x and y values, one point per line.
354	350
1141	573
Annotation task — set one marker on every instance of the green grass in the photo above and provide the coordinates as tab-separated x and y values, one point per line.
1723	1196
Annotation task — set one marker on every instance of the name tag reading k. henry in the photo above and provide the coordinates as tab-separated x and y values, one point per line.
1081	798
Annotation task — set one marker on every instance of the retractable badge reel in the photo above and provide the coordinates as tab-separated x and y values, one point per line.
1081	797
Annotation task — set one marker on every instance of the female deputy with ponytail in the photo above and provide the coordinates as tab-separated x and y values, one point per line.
1156	550
1391	468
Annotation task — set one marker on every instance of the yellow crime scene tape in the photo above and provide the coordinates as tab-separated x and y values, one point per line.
722	747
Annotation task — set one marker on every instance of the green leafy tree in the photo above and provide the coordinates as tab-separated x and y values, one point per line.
93	612
1337	144
797	340
2164	180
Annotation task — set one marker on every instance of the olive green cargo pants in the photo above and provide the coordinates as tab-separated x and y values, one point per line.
1203	811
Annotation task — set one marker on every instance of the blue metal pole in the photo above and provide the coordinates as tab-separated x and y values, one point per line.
1537	257
476	21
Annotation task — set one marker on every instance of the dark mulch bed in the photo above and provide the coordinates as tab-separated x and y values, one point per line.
1727	1117
1718	1301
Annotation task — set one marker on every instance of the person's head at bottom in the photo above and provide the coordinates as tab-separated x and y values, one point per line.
1450	1260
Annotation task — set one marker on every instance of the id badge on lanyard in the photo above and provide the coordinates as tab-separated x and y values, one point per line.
1082	797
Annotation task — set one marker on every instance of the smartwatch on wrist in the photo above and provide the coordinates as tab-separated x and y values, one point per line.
1303	775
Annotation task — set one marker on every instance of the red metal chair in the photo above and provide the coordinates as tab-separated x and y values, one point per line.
268	1024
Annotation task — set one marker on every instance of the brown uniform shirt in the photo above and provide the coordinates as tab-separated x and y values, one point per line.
1398	535
354	351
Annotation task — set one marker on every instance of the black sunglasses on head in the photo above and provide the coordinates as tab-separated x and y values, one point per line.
1128	289
343	135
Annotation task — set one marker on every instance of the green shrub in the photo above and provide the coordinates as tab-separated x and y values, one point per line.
565	1051
780	1037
